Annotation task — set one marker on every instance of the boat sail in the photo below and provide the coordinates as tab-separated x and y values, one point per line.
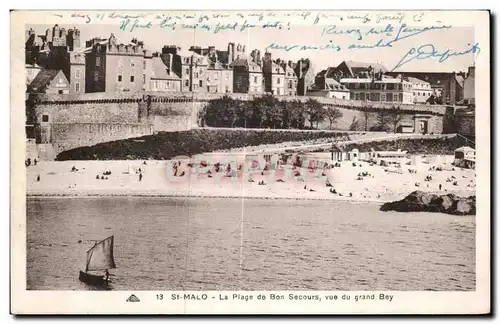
99	257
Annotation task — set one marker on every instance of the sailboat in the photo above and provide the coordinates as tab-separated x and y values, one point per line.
99	258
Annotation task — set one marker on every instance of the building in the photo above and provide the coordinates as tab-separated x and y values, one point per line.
447	85
352	69
247	74
76	72
388	158
31	72
190	66
58	49
219	78
290	78
114	67
469	90
161	77
274	76
38	46
384	89
320	79
333	89
421	90
465	157
219	73
50	82
305	76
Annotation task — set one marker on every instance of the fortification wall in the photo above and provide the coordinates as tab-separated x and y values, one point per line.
66	136
74	120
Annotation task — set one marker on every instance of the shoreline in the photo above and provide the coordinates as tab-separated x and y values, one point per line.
82	179
163	195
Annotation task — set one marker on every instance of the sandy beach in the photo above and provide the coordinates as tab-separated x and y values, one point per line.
199	179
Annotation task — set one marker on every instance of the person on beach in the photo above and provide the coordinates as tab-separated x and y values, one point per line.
38	178
34	161
140	176
440	186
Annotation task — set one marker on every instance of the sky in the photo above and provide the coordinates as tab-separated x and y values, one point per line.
455	39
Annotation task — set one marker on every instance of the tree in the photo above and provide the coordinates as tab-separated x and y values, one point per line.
366	114
332	114
394	120
269	111
315	112
383	120
294	112
354	124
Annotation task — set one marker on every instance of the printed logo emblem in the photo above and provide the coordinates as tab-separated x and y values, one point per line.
133	299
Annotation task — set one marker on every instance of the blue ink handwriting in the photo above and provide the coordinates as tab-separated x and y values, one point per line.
429	51
135	25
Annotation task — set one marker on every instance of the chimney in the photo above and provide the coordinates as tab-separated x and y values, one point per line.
230	53
267	56
196	49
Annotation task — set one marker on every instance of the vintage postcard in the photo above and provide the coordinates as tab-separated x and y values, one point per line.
250	162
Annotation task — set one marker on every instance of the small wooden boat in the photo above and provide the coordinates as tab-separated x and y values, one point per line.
99	258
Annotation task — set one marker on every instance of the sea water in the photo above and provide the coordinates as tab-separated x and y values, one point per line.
250	244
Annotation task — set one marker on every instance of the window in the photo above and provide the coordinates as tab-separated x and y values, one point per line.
119	78
382	97
77	74
216	76
132	64
227	88
201	83
120	63
414	93
255	80
143	79
77	87
290	84
45	118
167	85
196	75
60	81
278	91
132	78
356	96
98	61
419	93
187	71
278	81
367	96
96	76
144	65
186	83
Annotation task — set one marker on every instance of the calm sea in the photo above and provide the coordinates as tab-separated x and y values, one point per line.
252	244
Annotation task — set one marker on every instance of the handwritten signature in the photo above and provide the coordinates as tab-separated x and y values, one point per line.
429	51
290	47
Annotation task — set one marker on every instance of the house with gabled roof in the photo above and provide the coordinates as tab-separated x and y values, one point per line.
162	77
352	69
49	82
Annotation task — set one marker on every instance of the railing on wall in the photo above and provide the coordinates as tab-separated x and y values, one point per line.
180	97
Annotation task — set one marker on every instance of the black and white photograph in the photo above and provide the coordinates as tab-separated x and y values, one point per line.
300	156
